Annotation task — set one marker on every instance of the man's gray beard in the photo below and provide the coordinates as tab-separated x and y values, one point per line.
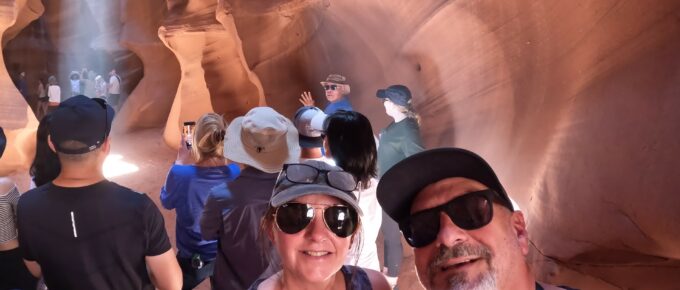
486	281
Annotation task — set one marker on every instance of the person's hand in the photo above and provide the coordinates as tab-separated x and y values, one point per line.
184	156
306	99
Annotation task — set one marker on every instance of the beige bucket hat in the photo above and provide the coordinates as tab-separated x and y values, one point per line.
263	139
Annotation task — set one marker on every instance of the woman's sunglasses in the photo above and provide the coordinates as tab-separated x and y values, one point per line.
330	87
293	217
469	212
306	174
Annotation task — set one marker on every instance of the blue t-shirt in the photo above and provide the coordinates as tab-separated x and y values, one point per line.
342	104
186	190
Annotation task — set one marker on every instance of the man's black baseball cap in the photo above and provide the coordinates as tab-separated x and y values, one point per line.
81	119
399	186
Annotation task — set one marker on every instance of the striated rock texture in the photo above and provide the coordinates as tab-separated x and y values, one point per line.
15	114
572	102
215	76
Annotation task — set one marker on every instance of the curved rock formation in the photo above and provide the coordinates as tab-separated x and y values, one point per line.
573	102
15	114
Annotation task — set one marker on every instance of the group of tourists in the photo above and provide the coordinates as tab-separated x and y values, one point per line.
264	202
85	82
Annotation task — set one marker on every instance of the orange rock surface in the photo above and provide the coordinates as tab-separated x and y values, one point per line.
574	103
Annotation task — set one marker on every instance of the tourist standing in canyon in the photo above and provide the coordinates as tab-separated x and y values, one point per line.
13	272
82	231
454	212
313	220
337	93
400	139
261	141
186	190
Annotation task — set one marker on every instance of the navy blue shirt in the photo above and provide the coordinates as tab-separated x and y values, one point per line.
342	104
186	190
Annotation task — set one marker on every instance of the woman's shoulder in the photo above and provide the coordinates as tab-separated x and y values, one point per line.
265	283
6	185
363	278
377	279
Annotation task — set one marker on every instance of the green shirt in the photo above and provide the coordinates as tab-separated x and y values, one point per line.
398	141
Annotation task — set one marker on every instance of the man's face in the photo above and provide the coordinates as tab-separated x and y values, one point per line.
482	258
333	92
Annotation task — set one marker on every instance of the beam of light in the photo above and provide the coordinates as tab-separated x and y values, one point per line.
115	166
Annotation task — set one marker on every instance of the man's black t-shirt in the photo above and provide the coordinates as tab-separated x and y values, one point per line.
92	237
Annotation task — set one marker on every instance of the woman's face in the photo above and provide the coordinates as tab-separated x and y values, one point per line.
314	254
390	108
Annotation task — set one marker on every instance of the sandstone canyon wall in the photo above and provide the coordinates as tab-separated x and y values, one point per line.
574	103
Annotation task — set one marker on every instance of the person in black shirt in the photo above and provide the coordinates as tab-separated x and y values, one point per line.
81	231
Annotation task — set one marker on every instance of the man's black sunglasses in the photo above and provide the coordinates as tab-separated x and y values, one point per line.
330	87
293	217
469	212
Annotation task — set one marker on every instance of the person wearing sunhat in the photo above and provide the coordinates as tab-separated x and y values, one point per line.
313	220
13	272
260	141
453	210
337	92
82	231
400	139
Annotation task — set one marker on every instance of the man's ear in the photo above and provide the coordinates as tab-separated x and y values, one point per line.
520	229
106	147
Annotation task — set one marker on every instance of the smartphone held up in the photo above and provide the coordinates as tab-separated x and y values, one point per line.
188	132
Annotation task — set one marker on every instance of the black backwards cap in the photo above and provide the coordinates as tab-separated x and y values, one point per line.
81	119
399	186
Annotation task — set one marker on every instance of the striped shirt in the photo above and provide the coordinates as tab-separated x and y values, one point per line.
8	215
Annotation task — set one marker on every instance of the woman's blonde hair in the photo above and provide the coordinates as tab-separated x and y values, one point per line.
409	111
208	139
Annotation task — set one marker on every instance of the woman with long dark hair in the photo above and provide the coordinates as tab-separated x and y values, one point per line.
350	142
45	166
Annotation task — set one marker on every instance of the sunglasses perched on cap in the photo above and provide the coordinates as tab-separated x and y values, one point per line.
306	174
468	212
293	217
330	87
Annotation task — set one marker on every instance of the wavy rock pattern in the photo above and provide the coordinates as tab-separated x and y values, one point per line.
573	102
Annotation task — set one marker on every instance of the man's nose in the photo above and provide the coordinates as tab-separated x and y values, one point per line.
449	233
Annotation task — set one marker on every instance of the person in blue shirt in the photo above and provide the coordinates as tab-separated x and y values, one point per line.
337	93
186	190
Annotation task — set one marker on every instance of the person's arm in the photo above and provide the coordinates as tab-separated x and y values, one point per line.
377	279
34	268
160	259
412	143
306	99
164	271
169	191
211	218
184	155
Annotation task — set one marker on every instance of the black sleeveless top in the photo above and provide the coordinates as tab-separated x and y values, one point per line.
355	279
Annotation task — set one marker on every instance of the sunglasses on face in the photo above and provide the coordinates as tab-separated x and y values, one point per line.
293	217
330	87
468	212
306	174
